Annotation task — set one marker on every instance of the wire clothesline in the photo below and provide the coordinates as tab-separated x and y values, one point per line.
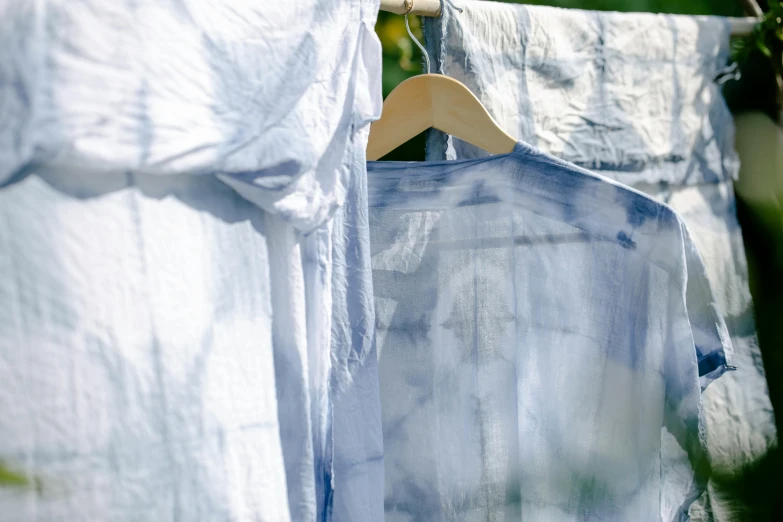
740	26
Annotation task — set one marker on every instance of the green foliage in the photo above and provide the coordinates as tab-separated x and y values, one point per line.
767	36
11	478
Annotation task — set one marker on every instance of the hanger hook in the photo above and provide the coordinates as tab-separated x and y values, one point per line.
423	50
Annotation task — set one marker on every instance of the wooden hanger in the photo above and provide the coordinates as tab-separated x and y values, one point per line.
434	101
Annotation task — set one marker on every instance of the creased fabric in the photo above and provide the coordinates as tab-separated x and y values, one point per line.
172	349
632	97
628	95
171	352
271	95
139	359
357	435
544	337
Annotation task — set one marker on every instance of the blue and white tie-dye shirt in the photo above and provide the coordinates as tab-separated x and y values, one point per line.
544	335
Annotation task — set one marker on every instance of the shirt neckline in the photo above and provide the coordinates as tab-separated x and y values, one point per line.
520	148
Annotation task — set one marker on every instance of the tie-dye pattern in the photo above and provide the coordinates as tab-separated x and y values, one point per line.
544	336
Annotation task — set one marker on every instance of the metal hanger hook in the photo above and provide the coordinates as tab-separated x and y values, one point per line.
423	50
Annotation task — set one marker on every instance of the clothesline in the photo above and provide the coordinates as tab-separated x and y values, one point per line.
740	26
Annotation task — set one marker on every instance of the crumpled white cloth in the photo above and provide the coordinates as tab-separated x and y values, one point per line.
632	97
138	370
168	350
272	93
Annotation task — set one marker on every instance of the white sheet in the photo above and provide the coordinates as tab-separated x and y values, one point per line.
137	368
167	349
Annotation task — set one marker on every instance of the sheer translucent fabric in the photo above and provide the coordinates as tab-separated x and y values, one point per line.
544	336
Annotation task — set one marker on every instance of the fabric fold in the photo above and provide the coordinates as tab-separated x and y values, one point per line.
627	95
193	87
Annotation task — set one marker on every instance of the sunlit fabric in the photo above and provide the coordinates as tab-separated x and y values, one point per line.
169	350
544	336
633	97
272	95
139	363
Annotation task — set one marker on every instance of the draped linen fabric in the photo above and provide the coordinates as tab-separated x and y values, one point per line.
185	292
632	97
544	336
138	365
272	95
357	438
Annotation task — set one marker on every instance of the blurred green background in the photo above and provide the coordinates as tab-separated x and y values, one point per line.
402	59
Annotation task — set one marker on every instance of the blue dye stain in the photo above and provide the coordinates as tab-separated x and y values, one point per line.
626	241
